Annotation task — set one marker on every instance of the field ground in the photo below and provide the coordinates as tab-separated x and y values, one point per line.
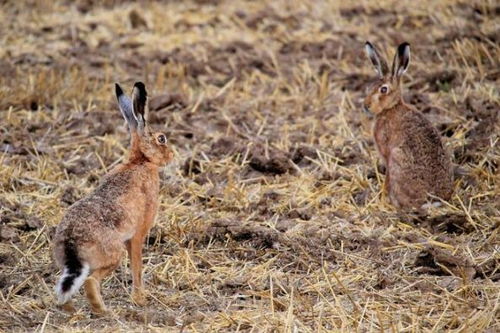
271	216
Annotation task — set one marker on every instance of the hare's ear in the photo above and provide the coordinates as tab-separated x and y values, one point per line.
401	60
125	105
378	62
139	98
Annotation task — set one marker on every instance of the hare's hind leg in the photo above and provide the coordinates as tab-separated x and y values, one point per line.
403	188
400	191
405	192
103	265
93	289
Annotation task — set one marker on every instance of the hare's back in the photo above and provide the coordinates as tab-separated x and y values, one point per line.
420	163
101	212
421	141
89	219
115	185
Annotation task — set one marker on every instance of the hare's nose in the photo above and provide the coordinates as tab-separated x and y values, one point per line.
366	109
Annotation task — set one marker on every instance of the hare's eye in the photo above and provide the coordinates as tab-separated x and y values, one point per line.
384	89
162	139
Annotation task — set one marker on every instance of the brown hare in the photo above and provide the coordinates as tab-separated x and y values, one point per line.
95	231
417	164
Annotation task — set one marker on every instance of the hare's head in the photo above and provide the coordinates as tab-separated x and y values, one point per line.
386	91
146	143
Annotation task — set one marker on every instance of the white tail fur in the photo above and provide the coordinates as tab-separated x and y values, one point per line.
75	281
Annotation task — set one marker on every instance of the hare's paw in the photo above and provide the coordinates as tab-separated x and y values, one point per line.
139	297
100	311
68	307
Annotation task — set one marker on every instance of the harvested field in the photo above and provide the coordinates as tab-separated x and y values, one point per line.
272	216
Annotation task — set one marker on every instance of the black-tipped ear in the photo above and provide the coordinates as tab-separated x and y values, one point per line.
125	106
378	62
118	90
401	60
139	98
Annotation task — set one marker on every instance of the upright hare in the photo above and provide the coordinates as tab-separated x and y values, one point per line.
416	162
94	232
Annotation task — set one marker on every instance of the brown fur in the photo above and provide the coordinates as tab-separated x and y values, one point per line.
416	161
116	217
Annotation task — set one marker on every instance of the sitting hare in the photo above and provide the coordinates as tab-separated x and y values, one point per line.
417	164
92	236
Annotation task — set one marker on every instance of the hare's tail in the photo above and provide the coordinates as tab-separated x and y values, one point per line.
74	274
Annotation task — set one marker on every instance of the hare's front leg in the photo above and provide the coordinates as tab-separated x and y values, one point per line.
134	248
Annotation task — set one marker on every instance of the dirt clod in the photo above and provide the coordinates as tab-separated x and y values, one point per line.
136	20
8	234
69	196
270	160
174	100
440	262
